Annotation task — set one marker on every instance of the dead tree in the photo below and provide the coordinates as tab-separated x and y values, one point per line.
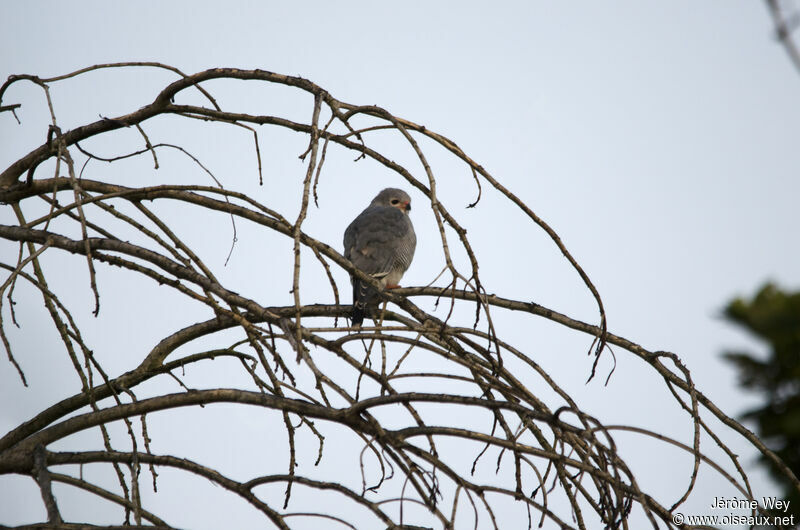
413	454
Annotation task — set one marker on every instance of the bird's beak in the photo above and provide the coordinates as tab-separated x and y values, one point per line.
407	206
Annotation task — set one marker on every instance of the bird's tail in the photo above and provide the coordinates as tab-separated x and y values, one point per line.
362	295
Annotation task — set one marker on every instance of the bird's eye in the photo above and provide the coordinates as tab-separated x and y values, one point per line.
395	201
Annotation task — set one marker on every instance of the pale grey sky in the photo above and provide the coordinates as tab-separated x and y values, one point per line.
659	139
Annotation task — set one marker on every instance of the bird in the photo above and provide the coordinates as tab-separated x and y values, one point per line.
380	242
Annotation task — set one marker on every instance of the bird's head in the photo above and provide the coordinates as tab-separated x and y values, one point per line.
393	197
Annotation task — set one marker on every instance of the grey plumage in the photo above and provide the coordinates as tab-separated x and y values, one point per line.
380	242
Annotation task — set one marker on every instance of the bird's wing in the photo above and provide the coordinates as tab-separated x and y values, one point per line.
380	239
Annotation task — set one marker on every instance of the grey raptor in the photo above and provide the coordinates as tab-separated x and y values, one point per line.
380	242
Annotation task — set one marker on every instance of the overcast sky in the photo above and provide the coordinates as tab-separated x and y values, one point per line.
659	139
